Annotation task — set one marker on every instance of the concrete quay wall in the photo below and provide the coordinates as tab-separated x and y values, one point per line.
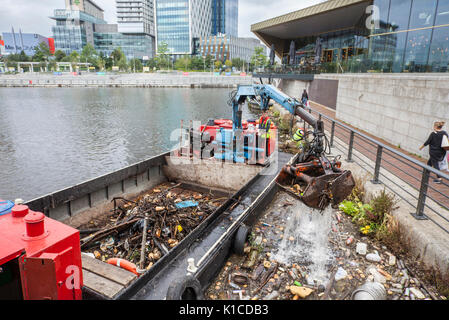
195	80
398	108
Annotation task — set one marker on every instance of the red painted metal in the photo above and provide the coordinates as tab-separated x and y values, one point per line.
53	244
51	45
227	124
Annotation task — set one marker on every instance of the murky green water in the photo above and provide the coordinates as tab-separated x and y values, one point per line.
51	139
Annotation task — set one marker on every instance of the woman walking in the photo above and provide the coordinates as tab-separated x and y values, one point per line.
436	152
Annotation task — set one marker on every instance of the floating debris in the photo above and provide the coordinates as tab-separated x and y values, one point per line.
172	213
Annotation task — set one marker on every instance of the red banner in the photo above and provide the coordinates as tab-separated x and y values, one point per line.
51	45
2	43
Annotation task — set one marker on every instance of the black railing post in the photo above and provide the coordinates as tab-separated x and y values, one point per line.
377	167
332	133
419	214
351	146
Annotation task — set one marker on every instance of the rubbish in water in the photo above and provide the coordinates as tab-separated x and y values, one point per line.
361	248
266	225
298	284
273	295
186	204
120	234
240	278
373	257
370	291
302	292
233	285
341	274
350	240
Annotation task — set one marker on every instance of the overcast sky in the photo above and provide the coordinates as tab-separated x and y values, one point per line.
32	15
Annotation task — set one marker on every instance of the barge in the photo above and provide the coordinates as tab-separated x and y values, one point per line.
42	258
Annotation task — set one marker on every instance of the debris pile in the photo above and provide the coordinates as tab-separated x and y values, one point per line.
143	230
356	267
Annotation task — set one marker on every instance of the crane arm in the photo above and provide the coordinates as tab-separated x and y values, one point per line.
267	92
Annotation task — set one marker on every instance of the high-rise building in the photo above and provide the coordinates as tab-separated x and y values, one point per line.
135	16
75	25
223	47
225	14
82	22
180	24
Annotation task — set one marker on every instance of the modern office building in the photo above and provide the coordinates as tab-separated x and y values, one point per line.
75	25
365	36
180	23
225	16
16	42
223	47
135	17
82	22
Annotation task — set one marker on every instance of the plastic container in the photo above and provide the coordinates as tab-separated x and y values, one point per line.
370	291
5	207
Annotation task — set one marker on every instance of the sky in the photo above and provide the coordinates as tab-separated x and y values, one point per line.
32	15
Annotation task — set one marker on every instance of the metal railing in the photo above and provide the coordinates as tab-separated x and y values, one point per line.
363	149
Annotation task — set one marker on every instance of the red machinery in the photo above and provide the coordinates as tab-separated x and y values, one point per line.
250	139
40	258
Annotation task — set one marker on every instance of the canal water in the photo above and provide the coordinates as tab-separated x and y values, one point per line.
53	138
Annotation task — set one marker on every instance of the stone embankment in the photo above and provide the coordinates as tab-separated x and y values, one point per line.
176	80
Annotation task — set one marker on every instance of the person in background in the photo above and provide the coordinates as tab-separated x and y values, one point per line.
265	124
305	97
436	152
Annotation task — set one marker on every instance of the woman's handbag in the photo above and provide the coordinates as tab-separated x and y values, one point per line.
444	164
445	143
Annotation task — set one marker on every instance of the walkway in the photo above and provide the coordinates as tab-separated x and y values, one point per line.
405	170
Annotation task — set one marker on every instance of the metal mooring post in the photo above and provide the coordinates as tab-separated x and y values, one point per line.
419	214
351	145
332	134
377	167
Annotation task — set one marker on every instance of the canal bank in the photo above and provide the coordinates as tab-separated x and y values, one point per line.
137	80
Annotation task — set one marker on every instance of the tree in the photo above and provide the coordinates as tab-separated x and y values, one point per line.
122	64
152	63
59	55
238	63
259	59
162	57
197	63
136	64
23	57
183	63
117	55
74	57
42	52
90	55
208	61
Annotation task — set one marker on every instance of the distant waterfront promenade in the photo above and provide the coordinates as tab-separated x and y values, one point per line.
150	80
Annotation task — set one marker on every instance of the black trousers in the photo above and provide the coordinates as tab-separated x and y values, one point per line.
434	163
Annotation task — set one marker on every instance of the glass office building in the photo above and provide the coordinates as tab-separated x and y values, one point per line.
83	23
173	25
225	15
182	22
139	46
74	29
366	36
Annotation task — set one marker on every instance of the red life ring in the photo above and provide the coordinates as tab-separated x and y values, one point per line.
124	264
